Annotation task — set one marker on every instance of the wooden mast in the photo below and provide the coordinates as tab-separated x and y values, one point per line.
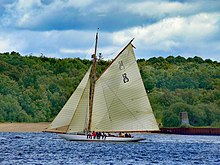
93	77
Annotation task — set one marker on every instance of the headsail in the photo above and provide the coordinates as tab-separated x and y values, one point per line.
74	115
120	100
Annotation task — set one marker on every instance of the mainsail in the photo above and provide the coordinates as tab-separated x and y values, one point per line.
120	100
74	115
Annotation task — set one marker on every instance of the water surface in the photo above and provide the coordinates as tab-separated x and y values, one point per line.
47	148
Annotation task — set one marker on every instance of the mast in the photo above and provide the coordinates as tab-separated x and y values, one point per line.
93	77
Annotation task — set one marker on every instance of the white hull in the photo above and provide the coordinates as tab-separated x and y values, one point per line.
108	138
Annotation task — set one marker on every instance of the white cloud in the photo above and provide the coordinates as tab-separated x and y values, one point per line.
79	4
159	8
31	14
172	33
166	8
9	43
76	51
60	44
160	27
24	5
108	52
21	13
4	45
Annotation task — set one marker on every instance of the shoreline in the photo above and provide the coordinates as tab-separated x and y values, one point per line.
41	127
23	127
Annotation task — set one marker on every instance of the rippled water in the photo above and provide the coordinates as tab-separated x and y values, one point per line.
46	148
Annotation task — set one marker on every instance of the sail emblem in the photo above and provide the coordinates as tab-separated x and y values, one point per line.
125	78
121	65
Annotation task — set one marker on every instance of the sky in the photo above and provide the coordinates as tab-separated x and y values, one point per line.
66	28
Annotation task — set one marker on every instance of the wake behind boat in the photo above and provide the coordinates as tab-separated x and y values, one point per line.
116	101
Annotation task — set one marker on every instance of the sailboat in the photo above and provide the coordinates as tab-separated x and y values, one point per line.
114	102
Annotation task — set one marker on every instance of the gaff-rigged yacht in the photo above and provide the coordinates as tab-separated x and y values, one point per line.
114	102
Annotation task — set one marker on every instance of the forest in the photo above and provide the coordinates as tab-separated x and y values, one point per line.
34	89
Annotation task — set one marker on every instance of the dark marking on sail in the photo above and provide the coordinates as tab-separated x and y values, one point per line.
125	78
121	65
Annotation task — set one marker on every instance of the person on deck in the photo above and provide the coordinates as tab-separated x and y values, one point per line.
98	134
93	134
89	136
121	134
104	135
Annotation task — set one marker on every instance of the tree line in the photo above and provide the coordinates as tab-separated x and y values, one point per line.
34	89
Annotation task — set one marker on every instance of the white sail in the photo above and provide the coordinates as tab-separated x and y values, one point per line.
120	100
79	122
75	111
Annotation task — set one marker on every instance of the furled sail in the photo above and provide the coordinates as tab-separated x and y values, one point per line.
73	117
120	100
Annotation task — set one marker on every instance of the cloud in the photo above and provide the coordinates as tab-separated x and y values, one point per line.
159	9
69	14
9	43
4	45
176	35
73	51
66	28
41	15
79	4
67	43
